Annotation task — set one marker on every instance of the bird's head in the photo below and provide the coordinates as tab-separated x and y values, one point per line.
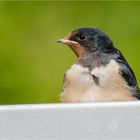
86	40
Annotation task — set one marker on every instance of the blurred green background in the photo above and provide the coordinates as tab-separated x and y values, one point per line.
32	64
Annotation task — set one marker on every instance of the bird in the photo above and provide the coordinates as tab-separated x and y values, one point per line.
101	73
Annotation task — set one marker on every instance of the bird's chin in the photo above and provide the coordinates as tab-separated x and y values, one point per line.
75	46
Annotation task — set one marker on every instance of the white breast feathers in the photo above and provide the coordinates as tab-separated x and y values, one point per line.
80	85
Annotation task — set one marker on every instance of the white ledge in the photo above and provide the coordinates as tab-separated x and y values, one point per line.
81	121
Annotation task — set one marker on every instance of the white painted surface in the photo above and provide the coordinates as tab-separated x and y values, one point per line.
106	121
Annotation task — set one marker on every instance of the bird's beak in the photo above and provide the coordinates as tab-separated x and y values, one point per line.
67	41
61	40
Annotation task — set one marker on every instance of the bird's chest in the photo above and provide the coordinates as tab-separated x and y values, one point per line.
80	84
77	82
78	78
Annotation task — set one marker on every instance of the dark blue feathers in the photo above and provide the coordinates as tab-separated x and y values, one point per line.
127	73
125	70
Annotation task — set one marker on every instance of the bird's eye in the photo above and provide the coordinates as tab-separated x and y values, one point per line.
81	37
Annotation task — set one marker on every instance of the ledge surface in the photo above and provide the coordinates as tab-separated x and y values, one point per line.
87	121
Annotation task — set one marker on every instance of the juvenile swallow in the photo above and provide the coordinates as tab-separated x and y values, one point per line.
101	73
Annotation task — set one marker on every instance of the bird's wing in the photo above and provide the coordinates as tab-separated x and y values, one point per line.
127	73
125	70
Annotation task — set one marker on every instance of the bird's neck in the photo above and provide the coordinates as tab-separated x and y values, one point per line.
94	59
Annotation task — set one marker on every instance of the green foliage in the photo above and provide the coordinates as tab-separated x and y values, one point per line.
32	64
